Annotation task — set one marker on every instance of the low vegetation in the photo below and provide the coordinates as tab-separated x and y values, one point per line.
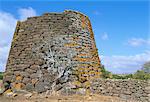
1	75
142	74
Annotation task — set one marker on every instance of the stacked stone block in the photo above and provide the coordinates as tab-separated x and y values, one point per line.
52	51
138	90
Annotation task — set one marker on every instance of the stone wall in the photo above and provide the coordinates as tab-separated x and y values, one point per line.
51	51
127	89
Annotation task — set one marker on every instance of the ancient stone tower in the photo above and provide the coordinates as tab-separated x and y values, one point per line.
52	52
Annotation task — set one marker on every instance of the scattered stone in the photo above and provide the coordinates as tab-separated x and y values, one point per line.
15	94
28	95
9	94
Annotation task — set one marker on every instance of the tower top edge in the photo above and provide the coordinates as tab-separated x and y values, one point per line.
57	13
64	12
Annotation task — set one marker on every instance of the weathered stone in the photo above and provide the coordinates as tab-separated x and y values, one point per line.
68	91
8	73
7	78
17	73
34	81
40	87
18	86
116	95
34	67
29	87
26	80
21	30
1	87
30	71
117	88
18	78
9	94
127	92
147	88
35	75
81	91
1	84
1	92
24	74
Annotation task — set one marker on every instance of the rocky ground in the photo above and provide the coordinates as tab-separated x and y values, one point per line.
25	96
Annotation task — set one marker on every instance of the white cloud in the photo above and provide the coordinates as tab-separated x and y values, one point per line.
125	64
138	42
104	36
26	12
4	51
7	27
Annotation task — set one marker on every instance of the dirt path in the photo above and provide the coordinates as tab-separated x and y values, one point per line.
76	98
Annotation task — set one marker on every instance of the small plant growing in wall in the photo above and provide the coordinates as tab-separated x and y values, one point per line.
1	75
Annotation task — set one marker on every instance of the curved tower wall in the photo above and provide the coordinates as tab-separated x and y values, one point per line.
52	51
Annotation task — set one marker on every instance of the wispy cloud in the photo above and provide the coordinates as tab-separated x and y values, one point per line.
97	13
125	64
135	42
26	12
7	27
104	36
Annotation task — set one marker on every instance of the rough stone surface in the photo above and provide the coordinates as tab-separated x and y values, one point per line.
127	89
29	87
51	51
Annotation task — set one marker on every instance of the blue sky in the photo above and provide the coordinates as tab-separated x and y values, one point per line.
121	28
